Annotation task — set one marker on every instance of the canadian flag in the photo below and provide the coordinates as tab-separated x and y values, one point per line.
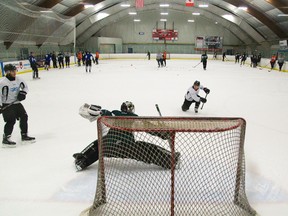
190	3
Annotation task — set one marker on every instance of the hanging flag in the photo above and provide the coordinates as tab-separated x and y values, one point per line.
189	3
139	3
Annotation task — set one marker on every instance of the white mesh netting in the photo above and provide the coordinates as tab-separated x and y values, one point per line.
170	166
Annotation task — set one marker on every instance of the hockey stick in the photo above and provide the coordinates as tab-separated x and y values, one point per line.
204	103
157	107
196	65
2	110
261	68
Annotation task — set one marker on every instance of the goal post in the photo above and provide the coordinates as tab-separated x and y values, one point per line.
170	166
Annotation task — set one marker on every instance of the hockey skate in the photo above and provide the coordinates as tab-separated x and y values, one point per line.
7	142
28	139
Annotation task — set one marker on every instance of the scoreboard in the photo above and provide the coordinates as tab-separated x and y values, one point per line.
165	34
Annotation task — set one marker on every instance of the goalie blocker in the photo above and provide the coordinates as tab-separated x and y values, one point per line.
120	143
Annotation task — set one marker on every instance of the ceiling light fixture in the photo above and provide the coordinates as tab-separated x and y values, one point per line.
137	20
192	21
203	5
47	11
164	13
125	5
228	17
196	14
163	20
243	8
88	6
132	13
164	5
102	15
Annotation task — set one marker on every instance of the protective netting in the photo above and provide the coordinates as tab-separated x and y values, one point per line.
25	23
171	166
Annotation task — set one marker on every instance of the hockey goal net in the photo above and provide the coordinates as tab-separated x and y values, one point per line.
170	166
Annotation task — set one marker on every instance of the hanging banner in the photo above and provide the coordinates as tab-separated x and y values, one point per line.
208	42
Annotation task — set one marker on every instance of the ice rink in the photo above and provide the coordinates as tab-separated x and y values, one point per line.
40	179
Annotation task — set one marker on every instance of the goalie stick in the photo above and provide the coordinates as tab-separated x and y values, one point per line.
157	107
169	140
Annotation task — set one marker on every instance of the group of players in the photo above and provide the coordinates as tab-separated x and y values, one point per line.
160	58
87	58
14	90
59	58
58	61
122	144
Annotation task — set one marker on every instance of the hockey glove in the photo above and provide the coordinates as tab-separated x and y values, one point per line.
94	110
203	100
90	112
21	95
206	90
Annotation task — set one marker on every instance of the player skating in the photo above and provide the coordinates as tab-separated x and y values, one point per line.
204	58
280	61
192	96
122	143
223	56
33	65
149	55
47	61
79	58
54	60
67	60
237	57
164	57
61	60
14	90
88	61
159	59
273	61
243	59
97	55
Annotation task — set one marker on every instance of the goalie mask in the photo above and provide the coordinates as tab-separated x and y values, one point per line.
128	107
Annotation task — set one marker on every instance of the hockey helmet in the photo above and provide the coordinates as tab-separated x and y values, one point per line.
196	83
9	67
127	107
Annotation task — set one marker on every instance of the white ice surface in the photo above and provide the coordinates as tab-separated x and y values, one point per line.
40	180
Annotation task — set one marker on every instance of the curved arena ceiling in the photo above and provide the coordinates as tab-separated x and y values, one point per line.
252	21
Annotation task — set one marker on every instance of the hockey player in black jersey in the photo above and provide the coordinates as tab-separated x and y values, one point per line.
13	90
204	58
123	142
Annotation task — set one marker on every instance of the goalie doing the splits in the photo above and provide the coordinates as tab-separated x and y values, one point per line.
122	144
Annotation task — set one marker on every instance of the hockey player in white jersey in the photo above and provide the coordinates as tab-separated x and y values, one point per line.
13	91
192	96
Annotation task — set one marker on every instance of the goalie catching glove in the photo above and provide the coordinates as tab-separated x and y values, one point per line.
90	112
